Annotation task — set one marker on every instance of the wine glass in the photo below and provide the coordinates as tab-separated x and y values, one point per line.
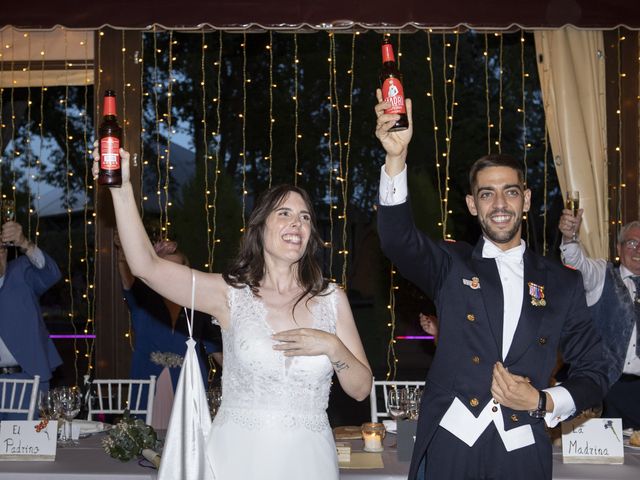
573	204
394	402
47	405
8	214
68	401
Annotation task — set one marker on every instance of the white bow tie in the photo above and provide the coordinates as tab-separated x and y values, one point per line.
513	255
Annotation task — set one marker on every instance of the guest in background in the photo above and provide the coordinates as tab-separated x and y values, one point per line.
613	296
25	347
429	324
503	313
160	332
286	333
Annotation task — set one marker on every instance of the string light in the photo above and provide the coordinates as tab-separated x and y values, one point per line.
28	152
69	205
449	111
500	106
244	128
345	183
435	127
205	146
295	108
217	150
392	359
486	91
618	216
12	168
158	121
271	119
331	38
167	162
523	76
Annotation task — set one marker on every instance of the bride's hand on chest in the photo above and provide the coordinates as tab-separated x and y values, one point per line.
305	342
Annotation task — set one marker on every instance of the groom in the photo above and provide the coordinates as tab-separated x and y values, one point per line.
503	312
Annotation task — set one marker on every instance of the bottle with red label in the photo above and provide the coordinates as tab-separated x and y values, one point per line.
391	85
110	134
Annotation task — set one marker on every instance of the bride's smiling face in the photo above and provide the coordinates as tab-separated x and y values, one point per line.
287	229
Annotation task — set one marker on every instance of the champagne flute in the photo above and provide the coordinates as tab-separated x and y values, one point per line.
8	214
573	204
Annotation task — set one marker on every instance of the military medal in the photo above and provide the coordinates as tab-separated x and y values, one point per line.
537	295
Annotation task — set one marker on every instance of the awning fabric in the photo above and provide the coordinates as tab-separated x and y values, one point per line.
324	14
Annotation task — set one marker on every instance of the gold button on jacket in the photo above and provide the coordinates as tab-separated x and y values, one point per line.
474	402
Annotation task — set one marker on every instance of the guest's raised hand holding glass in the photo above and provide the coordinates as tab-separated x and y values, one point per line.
7	214
573	204
571	217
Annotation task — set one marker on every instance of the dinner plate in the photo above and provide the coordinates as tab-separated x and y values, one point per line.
627	432
628	445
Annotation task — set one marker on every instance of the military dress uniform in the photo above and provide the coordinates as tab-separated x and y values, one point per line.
514	307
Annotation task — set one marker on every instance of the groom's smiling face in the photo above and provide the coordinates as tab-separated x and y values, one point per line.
499	200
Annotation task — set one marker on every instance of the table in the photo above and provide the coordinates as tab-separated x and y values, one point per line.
396	470
88	461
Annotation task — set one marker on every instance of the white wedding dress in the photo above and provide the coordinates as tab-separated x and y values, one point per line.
272	423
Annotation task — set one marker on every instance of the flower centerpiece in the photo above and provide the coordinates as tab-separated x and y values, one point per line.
129	437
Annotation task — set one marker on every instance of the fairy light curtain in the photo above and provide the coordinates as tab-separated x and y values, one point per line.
45	116
259	131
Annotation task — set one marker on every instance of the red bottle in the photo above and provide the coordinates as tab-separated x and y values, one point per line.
110	134
391	85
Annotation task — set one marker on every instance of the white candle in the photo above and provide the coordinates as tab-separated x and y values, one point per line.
372	442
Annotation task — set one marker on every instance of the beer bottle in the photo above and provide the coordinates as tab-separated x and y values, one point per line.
110	134
391	85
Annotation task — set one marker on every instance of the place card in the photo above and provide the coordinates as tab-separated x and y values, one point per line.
596	440
23	440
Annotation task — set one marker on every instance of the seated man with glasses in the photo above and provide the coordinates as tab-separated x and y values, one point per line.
613	296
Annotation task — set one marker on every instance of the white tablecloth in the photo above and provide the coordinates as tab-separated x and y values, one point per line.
395	470
88	461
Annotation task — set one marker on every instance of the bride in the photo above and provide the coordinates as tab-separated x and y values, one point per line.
285	333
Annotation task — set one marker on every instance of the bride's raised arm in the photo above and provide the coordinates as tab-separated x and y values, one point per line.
169	279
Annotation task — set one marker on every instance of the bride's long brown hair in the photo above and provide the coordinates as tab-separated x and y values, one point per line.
248	267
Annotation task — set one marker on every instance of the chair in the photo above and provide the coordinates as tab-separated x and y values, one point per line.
380	391
13	392
114	396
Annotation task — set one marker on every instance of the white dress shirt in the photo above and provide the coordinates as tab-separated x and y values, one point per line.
593	276
36	257
458	419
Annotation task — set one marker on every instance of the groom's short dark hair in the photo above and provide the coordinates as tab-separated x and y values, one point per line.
495	160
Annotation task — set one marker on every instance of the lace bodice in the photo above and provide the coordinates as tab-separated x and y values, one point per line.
260	384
